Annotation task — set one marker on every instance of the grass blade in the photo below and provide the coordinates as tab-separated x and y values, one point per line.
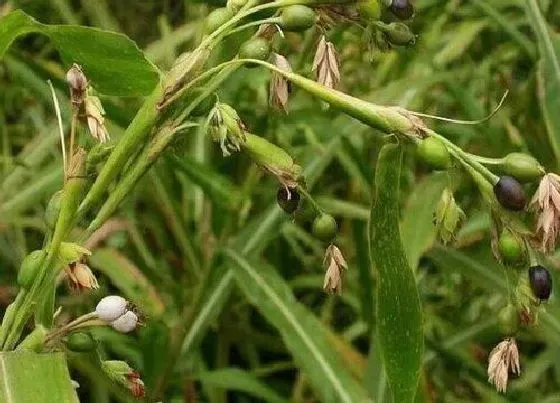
399	315
301	330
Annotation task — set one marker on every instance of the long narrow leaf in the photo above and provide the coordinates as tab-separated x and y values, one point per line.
302	332
399	315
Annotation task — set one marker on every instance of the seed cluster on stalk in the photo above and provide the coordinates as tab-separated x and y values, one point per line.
115	311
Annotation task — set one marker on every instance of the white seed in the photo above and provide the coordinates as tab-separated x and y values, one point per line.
126	323
111	308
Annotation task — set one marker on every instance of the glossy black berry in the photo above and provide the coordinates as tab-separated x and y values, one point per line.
403	9
288	199
510	193
540	281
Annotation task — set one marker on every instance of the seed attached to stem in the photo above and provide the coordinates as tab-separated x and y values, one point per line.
403	9
111	308
508	320
217	18
510	247
288	199
257	48
433	152
510	193
81	342
125	323
540	281
324	227
297	18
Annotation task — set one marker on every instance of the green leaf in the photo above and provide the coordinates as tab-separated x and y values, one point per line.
237	379
463	36
129	280
218	187
114	66
417	228
39	378
399	315
548	73
303	333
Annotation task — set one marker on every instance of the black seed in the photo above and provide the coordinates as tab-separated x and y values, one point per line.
288	199
541	282
403	9
510	193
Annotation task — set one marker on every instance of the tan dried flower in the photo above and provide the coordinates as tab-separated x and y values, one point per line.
81	277
95	119
325	64
279	86
503	358
546	203
78	84
334	263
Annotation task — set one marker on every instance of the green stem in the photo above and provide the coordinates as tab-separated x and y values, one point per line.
486	160
57	333
271	20
311	200
467	158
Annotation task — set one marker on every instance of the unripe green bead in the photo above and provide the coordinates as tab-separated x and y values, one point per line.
297	18
434	153
81	342
52	210
369	10
235	5
398	33
217	18
508	320
30	268
324	227
522	167
510	247
257	48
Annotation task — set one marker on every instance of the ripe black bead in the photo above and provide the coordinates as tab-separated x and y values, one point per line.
288	199
510	193
403	9
540	281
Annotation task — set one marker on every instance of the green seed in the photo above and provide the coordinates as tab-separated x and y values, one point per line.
257	48
508	320
369	10
510	247
434	153
297	18
217	18
81	342
522	167
324	227
30	268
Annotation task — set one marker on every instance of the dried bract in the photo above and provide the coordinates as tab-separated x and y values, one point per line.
325	64
81	277
78	84
335	264
95	119
546	204
503	358
279	86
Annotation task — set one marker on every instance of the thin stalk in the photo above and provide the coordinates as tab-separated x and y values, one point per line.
467	158
72	136
271	20
311	200
61	331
